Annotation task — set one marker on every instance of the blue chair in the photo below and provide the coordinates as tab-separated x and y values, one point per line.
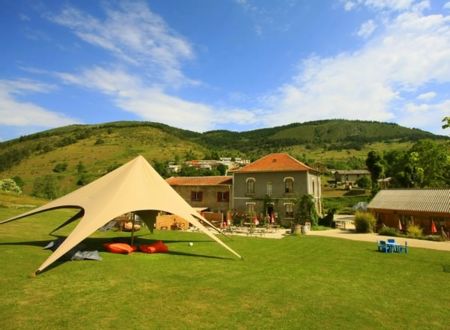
383	247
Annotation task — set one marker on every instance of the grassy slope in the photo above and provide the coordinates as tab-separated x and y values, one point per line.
321	155
120	146
307	282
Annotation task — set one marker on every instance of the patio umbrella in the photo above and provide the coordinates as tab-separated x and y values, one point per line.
433	227
400	227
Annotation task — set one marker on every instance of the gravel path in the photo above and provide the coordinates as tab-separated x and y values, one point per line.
348	234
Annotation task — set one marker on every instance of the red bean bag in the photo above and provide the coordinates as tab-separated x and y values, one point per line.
157	247
123	248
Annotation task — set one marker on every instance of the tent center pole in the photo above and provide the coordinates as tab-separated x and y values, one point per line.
133	219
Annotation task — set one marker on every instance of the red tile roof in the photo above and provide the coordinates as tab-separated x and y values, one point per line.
280	162
199	180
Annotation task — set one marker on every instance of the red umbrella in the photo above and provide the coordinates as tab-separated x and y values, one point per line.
400	225
433	227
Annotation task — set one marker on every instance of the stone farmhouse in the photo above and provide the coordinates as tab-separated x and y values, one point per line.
271	184
205	192
267	187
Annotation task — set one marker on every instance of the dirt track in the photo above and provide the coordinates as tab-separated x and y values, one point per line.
348	234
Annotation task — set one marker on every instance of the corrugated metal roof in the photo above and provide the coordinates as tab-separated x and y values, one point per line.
277	162
199	180
419	200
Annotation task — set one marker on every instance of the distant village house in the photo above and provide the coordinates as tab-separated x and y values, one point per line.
349	177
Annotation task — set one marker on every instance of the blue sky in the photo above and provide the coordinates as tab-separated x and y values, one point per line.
224	64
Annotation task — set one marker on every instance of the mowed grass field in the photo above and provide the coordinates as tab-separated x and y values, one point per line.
296	282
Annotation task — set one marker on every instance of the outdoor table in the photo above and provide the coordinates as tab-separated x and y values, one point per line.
395	247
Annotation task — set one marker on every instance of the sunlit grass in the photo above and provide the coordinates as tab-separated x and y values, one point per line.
296	282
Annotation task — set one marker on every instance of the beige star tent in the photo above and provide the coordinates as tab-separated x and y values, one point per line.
134	187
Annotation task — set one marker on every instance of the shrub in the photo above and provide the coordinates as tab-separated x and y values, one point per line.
364	182
328	219
9	185
388	231
19	181
45	187
60	167
414	231
364	222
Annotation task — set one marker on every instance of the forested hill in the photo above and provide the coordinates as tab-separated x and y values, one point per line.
330	134
77	154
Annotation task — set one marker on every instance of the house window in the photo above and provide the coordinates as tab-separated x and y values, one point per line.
223	196
289	210
250	208
251	186
288	185
196	196
269	189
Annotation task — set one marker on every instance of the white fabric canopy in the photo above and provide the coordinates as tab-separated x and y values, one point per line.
134	187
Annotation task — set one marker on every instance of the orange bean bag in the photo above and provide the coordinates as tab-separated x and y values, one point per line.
157	247
123	248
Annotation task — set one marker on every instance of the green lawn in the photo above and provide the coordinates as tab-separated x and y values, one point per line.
296	282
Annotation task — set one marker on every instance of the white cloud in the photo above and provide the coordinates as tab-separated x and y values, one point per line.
151	103
426	96
426	115
446	5
134	34
349	5
14	112
367	29
411	52
387	5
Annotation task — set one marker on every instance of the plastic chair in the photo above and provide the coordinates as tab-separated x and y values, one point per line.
382	247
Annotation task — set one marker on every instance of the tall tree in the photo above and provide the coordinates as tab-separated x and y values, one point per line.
446	122
425	164
434	161
374	163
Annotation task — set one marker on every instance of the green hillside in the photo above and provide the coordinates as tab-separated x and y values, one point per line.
76	154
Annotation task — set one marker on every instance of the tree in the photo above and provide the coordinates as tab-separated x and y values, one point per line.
19	181
425	164
81	168
306	210
190	155
412	174
9	185
433	161
375	166
212	155
60	167
446	122
161	168
363	182
45	187
222	169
